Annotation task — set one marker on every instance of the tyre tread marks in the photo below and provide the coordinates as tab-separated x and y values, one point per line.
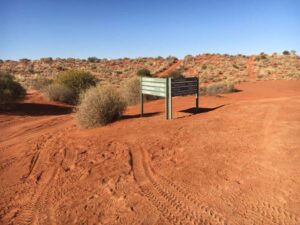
172	201
274	214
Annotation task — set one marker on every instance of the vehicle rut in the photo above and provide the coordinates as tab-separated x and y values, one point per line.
171	200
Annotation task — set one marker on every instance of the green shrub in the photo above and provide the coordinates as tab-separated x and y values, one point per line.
61	93
100	106
10	90
144	73
204	67
286	52
47	59
175	74
220	88
24	60
76	80
93	59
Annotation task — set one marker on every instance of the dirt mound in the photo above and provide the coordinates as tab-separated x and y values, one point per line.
235	162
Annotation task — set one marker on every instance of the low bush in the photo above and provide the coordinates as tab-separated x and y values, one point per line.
131	90
93	59
285	52
61	93
144	73
100	106
10	90
219	88
76	80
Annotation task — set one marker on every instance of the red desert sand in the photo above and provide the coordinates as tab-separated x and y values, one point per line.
235	162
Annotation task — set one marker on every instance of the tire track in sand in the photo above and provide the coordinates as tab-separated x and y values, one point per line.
171	200
32	212
263	211
40	210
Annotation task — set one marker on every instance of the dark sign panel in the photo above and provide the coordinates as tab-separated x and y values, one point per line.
184	86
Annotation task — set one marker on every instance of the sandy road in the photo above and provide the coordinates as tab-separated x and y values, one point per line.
236	162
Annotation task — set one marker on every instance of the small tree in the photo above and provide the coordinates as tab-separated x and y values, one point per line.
286	52
10	90
93	59
144	73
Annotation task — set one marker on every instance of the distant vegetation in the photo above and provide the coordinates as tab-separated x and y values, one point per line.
144	73
93	59
10	91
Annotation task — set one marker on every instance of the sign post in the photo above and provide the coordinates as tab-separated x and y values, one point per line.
169	87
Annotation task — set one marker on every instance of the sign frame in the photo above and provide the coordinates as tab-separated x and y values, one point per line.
168	88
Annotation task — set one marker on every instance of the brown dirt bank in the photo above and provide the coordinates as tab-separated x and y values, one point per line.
236	162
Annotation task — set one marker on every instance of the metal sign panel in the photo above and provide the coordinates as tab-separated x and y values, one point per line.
168	87
154	86
184	86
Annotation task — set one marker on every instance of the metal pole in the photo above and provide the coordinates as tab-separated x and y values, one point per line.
141	97
170	99
167	98
197	96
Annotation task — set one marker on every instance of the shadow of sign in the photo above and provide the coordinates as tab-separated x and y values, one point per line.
200	110
125	117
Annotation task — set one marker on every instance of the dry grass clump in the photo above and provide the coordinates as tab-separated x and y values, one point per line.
10	91
61	93
218	88
99	106
38	83
131	90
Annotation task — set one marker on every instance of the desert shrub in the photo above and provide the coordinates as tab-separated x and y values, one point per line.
61	93
187	57
99	106
10	90
39	83
131	90
93	59
285	52
219	88
175	74
204	67
144	73
47	59
76	80
24	60
1	61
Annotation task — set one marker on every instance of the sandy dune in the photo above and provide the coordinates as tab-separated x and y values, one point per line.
236	162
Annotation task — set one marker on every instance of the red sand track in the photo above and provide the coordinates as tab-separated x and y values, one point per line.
173	67
236	162
250	69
